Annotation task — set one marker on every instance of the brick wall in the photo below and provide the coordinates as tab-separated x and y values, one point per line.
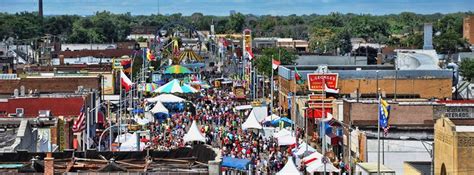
365	114
468	32
424	88
49	85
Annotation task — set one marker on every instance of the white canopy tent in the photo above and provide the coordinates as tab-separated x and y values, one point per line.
318	166
314	163
282	132
123	137
194	134
143	121
166	98
271	117
251	123
260	112
304	147
130	144
289	168
159	108
286	140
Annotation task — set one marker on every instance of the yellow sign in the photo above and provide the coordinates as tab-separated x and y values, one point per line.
248	41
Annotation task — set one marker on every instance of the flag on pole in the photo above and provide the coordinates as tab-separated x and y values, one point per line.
80	124
249	51
384	110
329	90
149	55
275	64
298	77
126	65
125	81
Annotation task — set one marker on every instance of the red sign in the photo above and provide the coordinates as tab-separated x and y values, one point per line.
317	113
316	81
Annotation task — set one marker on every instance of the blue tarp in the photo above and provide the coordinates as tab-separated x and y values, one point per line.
276	122
240	164
137	111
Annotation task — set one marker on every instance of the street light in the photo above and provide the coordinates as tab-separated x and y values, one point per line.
431	152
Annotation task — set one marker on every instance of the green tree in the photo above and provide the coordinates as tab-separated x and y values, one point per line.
236	23
263	62
467	69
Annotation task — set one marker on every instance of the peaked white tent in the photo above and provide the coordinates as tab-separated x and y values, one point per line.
271	117
159	108
289	168
143	121
123	138
166	98
286	140
260	112
318	166
130	144
304	147
314	163
282	132
194	134
251	122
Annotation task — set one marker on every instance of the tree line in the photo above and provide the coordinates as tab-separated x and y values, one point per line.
327	34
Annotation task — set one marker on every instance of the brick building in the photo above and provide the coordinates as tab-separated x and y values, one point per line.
49	84
454	146
468	31
60	106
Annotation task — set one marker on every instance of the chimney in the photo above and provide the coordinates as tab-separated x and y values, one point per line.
49	164
428	37
61	59
40	8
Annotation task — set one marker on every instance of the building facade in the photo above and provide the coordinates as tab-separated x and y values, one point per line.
454	146
468	31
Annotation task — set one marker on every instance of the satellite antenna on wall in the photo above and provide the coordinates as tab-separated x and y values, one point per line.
15	93
322	69
22	91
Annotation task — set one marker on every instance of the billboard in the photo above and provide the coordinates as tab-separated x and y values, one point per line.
108	83
316	80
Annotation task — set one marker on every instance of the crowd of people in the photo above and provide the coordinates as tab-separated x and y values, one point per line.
220	122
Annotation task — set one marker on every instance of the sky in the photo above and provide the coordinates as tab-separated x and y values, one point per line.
223	7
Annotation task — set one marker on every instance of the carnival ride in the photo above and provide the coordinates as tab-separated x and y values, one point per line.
177	42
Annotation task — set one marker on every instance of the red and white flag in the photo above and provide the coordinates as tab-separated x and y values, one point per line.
249	51
80	123
126	82
329	90
275	64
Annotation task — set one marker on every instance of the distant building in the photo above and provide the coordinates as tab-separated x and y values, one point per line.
46	83
298	45
454	146
31	106
146	32
77	47
468	31
232	12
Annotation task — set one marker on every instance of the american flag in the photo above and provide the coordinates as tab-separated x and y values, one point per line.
80	123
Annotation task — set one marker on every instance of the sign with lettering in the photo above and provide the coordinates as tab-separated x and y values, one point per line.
460	112
316	81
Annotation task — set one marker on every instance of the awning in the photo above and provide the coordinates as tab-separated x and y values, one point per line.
166	98
240	164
